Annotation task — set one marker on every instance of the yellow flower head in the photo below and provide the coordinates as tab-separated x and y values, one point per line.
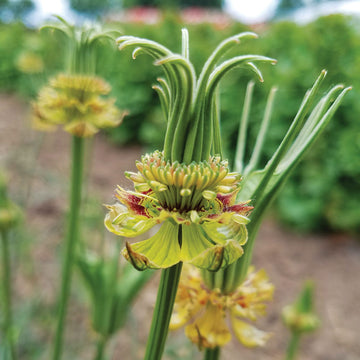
207	310
30	63
195	203
76	102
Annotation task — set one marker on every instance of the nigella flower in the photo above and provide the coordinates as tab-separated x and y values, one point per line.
207	310
187	187
195	203
77	102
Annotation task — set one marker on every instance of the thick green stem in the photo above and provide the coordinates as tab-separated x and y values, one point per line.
212	354
163	308
293	346
70	242
6	269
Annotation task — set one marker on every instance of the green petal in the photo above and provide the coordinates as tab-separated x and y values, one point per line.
200	251
160	251
120	222
220	233
194	242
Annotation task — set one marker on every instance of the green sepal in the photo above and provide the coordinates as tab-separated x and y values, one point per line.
158	252
220	233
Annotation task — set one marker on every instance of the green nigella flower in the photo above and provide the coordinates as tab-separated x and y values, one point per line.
195	203
187	187
77	103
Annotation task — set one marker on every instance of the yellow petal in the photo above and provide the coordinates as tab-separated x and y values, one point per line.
183	311
160	251
81	129
210	330
248	335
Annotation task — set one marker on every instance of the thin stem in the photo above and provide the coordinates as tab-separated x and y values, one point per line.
100	348
8	321
163	308
262	133
212	354
216	125
293	346
241	141
70	242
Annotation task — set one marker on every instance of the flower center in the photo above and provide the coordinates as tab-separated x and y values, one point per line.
184	188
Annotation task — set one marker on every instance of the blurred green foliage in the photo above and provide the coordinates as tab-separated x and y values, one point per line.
323	192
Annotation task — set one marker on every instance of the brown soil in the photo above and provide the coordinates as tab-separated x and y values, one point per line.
38	168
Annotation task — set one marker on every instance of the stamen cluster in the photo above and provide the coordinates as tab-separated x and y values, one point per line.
180	187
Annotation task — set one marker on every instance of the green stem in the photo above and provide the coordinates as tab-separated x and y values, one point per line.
8	321
212	354
241	141
242	264
100	348
70	242
293	346
163	308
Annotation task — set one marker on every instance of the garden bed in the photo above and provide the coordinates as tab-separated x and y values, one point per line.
38	168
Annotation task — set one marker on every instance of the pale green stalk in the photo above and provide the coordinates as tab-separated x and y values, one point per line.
70	242
241	141
100	348
262	133
162	313
293	346
7	298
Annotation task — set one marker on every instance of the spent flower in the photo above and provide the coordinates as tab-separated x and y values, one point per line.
208	310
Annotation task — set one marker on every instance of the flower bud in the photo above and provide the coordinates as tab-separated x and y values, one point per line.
300	317
10	213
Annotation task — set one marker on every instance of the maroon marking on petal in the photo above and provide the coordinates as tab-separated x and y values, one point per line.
240	208
227	200
133	203
138	210
212	216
